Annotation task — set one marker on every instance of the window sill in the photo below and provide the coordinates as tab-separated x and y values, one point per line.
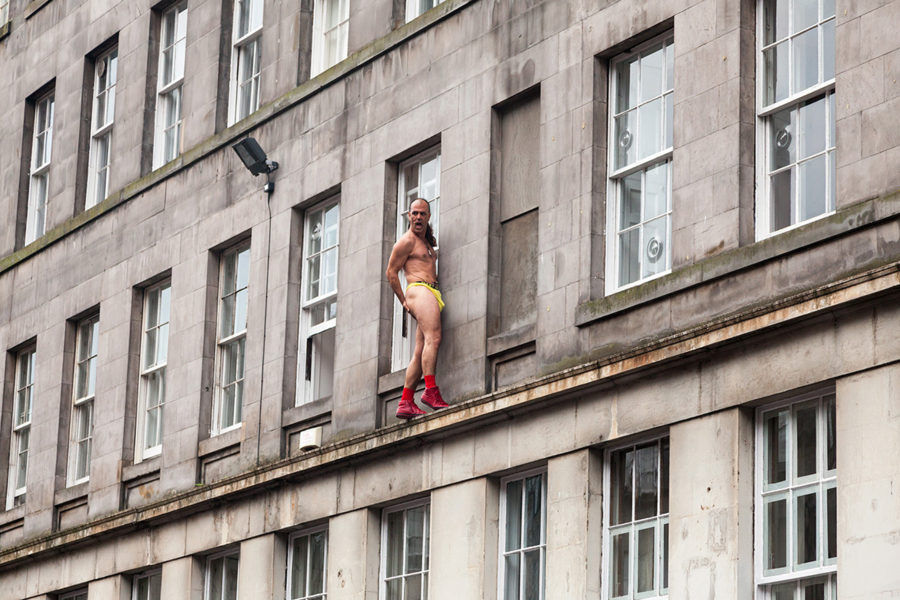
35	5
509	340
391	382
10	519
842	221
305	412
71	494
219	442
141	469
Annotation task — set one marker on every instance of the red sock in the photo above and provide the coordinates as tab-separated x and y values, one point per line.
407	395
429	381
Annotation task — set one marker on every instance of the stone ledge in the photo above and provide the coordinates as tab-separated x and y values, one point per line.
35	5
844	220
478	411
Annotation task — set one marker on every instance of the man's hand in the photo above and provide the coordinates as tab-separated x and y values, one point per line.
406	308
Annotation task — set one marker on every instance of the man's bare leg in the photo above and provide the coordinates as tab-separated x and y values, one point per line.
425	307
407	408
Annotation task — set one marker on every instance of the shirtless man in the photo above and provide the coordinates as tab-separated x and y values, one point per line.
414	253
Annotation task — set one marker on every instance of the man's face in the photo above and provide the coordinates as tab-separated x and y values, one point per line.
418	216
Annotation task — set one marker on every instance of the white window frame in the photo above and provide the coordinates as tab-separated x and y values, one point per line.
106	64
823	568
83	405
616	177
207	572
23	392
321	11
307	533
308	359
414	8
156	333
541	547
245	45
39	177
169	93
764	129
233	338
659	521
4	12
148	575
426	548
402	346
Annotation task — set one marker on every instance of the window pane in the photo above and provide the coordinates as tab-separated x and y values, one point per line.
812	127
650	138
22	462
414	537
620	557
511	585
630	204
782	201
828	50
624	138
784	591
215	579
313	277
664	478
514	515
775	528
395	589
646	475
670	118
805	419
776	70
655	246
806	529
317	563
323	359
830	415
781	140
532	573
806	60
414	587
831	525
652	74
626	84
240	310
394	544
812	591
664	553
775	20
813	198
298	567
533	510
620	484
231	577
806	13
629	256
646	559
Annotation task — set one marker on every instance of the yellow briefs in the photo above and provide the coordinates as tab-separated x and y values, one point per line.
433	290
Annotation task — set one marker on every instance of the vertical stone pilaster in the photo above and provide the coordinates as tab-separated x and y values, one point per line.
262	568
354	541
711	508
182	579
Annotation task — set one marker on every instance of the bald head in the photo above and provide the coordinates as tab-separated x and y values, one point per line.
420	204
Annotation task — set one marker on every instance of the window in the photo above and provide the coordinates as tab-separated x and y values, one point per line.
419	177
796	113
331	22
146	586
245	57
103	112
21	427
39	185
82	422
169	84
79	595
154	353
234	277
404	543
317	321
636	536
306	565
523	537
796	514
640	164
4	11
222	576
414	8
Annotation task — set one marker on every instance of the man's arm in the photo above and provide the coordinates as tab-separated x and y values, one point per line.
399	254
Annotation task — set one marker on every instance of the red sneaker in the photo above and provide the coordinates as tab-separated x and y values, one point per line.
408	409
432	397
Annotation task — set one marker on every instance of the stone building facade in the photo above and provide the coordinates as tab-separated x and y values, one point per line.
669	240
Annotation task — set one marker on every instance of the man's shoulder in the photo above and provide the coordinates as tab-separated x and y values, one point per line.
406	241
